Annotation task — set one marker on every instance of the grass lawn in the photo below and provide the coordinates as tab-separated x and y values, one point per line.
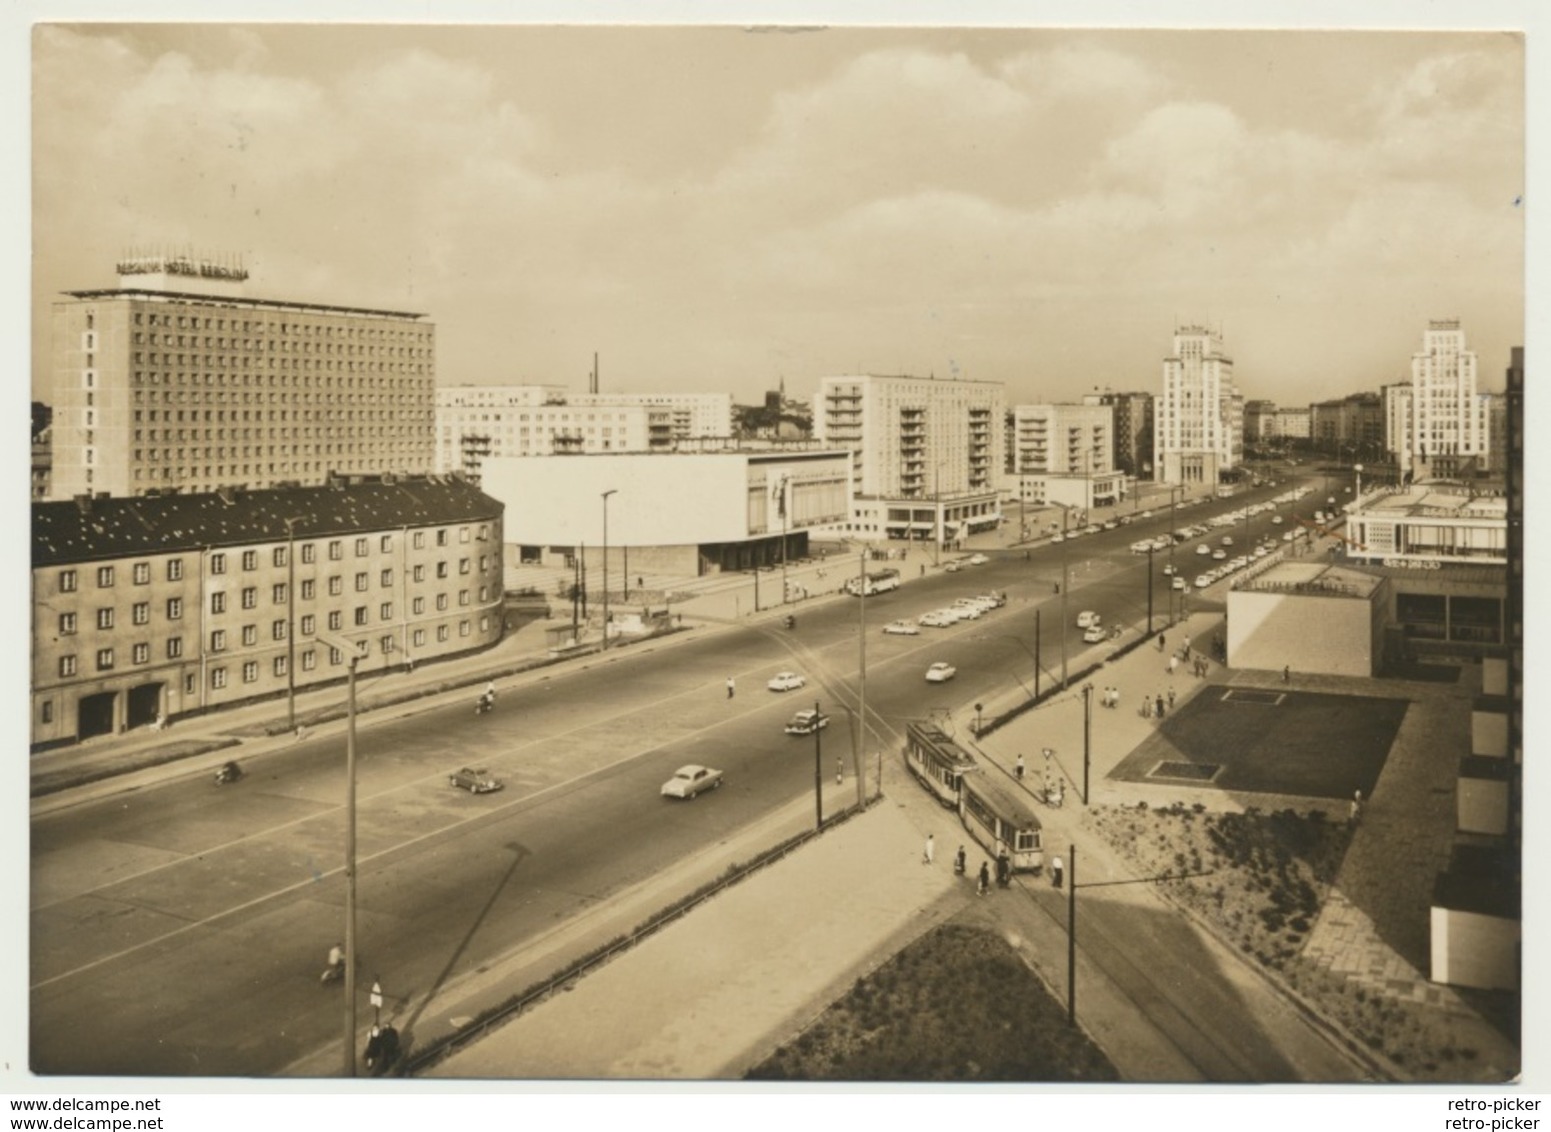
1273	742
956	1005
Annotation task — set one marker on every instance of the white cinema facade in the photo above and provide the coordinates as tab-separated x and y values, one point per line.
683	514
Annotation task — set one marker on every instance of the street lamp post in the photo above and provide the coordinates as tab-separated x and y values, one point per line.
785	530
353	651
606	495
1065	586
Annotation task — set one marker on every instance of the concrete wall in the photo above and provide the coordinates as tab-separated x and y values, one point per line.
1489	727
1308	633
1474	950
1482	805
1494	676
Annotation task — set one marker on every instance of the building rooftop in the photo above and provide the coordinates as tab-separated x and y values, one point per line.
152	294
98	528
1316	579
1433	500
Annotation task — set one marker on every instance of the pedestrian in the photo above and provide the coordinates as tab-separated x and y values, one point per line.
1186	647
1171	699
840	769
1158	707
373	1047
730	687
1160	642
959	861
490	691
1055	872
1020	766
926	853
390	1046
985	879
1286	674
1173	664
1146	708
1357	807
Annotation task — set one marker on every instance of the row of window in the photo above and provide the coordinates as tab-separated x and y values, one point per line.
141	571
140	653
140	612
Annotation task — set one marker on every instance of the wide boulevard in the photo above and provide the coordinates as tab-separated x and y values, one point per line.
180	929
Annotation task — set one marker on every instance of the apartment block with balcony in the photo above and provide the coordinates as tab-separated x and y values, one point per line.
925	454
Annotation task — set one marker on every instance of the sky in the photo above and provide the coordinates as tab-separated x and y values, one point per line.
727	208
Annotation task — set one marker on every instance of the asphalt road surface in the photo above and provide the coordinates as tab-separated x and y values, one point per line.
181	929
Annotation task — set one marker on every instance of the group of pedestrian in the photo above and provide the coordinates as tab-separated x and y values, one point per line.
1110	698
382	1048
1199	666
1153	706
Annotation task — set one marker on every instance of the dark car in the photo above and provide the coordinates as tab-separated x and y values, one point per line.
476	780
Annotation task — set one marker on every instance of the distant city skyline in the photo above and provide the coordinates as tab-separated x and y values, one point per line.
714	209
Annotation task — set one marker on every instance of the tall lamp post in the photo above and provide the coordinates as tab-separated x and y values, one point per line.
785	530
353	652
606	495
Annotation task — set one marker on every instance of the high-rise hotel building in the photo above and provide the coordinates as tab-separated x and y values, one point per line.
174	380
1199	422
1437	425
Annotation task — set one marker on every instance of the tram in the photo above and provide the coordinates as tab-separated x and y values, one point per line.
998	819
937	762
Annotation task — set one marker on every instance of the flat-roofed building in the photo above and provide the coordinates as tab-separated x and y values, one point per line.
153	607
1426	525
175	381
1199	417
479	422
676	513
926	455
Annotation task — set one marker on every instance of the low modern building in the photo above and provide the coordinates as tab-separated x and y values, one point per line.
148	608
681	514
1309	616
1428	525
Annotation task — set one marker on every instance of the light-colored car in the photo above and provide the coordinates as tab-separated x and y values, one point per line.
785	682
691	780
1179	582
1093	634
1227	540
474	779
1168	568
1203	580
902	628
1141	546
939	672
967	612
935	620
996	598
1087	619
953	567
806	722
1219	554
1203	549
1288	536
978	560
1057	538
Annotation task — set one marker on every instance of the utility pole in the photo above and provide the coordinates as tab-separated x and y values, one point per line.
1071	936
1087	730
861	714
818	770
1150	549
1065	586
606	495
1037	664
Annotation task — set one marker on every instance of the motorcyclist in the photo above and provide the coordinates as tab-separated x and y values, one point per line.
336	966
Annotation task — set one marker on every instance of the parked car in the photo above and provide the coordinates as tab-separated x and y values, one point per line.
935	620
939	672
1179	582
1219	554
691	780
1087	619
1227	540
966	612
996	597
902	628
1203	549
1093	634
474	779
1168	568
806	722
1203	580
978	560
953	567
785	682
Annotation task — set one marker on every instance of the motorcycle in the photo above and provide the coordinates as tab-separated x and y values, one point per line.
332	974
229	772
790	621
485	702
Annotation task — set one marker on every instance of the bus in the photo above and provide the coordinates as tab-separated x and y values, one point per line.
872	582
936	761
1000	820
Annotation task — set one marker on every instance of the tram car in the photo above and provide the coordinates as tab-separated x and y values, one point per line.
994	813
937	762
1000	820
